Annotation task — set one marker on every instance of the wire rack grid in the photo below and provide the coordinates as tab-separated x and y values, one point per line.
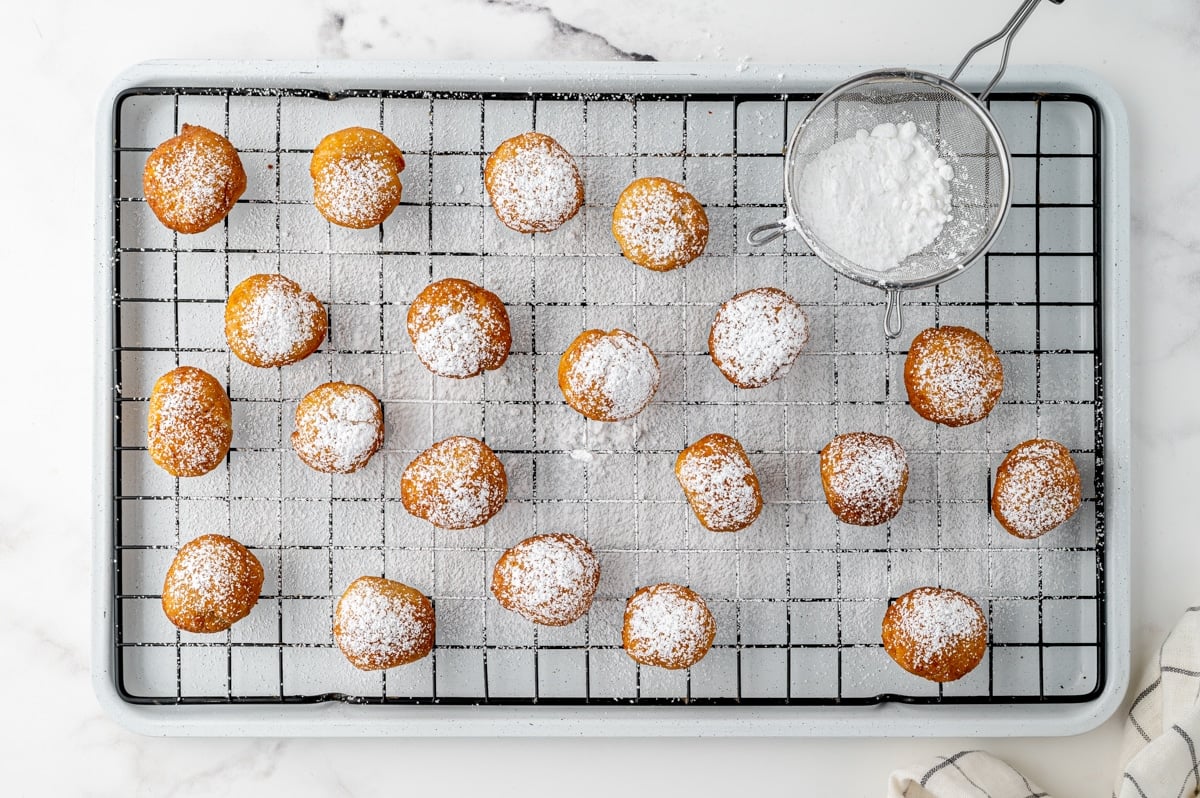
798	597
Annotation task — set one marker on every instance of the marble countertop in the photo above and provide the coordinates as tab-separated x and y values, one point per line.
61	56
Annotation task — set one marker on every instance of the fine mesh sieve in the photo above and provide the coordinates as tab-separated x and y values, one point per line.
962	131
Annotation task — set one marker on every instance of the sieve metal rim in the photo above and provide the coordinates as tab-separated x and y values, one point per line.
833	259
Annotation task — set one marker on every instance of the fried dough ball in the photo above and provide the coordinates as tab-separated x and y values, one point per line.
457	483
720	483
668	626
533	183
864	476
356	177
379	623
193	180
271	321
548	579
659	225
212	583
338	428
1037	488
458	329
608	376
756	336
189	425
935	633
953	376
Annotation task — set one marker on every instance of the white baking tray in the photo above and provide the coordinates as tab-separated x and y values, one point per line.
722	129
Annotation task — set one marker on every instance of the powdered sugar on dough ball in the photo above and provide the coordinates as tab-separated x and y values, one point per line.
756	336
1037	488
379	623
193	180
356	177
212	583
953	375
659	225
458	329
548	579
338	428
935	633
533	183
608	376
720	483
864	476
271	321
457	483
189	424
668	626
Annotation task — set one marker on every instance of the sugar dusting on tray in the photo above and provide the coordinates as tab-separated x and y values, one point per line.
878	197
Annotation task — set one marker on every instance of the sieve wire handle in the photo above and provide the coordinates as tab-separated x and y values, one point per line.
1008	33
893	318
766	233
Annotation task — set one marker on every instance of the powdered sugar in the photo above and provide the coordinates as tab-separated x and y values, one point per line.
357	191
533	183
457	333
549	579
457	483
1037	488
338	428
866	474
668	625
878	197
276	323
720	483
380	626
619	369
757	335
937	623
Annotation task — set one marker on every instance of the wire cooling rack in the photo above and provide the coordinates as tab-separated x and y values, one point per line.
798	597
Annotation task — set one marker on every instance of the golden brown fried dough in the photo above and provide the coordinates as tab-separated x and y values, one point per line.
212	583
193	180
356	177
189	425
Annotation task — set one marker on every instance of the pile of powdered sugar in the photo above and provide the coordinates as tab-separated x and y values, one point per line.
878	197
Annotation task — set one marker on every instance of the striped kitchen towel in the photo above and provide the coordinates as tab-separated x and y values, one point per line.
1162	734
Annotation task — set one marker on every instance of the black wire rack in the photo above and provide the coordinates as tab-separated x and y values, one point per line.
798	598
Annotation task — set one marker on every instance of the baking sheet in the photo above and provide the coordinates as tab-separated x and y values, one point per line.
797	597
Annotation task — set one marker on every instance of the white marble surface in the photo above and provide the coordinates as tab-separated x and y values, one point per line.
58	57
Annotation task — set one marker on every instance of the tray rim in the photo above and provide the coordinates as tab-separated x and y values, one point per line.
888	719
